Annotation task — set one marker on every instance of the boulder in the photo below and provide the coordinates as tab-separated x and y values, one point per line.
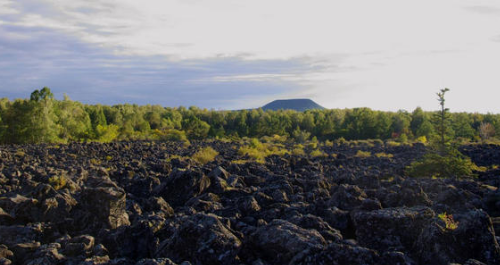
183	185
394	229
280	240
339	254
106	202
203	239
474	238
347	197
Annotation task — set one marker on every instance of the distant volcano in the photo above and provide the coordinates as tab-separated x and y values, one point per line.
292	104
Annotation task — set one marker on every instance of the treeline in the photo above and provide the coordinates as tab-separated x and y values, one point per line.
43	119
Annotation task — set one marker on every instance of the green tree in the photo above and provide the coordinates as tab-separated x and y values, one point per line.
196	128
74	121
43	126
443	160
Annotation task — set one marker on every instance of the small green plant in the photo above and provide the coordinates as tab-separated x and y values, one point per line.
328	143
318	153
363	154
385	155
341	141
448	220
205	155
58	182
20	153
259	151
298	150
391	143
422	139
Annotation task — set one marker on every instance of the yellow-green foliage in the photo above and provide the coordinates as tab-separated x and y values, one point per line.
107	133
422	139
94	162
318	153
274	139
453	164
363	154
365	143
379	155
312	145
341	140
240	161
297	151
328	143
392	144
170	157
20	153
259	151
58	182
170	135
448	220
205	155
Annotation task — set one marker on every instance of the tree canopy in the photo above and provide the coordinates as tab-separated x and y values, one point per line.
42	118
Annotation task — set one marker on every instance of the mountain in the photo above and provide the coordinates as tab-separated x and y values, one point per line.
293	104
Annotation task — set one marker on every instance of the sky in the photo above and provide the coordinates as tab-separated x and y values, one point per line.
228	54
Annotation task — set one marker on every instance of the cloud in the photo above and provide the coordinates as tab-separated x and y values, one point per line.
223	52
33	57
487	10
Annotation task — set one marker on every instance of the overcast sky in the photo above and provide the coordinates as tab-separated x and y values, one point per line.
227	54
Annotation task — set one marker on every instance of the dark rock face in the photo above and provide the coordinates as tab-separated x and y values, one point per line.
130	203
281	240
107	203
203	238
395	228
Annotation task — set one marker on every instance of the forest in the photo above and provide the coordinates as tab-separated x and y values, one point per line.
44	119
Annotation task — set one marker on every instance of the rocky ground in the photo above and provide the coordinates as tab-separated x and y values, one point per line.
129	203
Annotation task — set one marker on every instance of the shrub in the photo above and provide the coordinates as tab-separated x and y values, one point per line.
170	135
433	164
448	220
328	143
403	138
363	154
422	139
259	151
341	140
58	182
385	155
205	155
312	145
300	136
297	151
391	143
444	160
318	153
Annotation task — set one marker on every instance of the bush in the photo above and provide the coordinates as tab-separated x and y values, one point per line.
328	143
318	153
379	155
205	155
452	164
422	139
391	143
341	141
448	220
297	151
363	154
58	182
170	135
259	151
